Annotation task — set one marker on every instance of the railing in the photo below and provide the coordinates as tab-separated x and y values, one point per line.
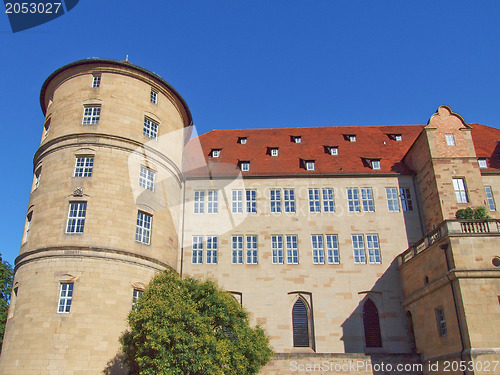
450	227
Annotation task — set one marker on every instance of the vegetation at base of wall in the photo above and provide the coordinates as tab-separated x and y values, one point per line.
186	326
6	278
479	213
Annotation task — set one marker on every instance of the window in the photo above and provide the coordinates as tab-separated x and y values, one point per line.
96	81
296	139
245	166
212	202
367	200
375	164
211	249
147	179
153	97
83	166
65	298
300	323
352	138
398	137
373	248
199	201
309	165
406	200
441	321
489	198
392	199
277	247
292	252
36	183
314	204
150	129
318	252
332	249
460	192
275	198
27	226
289	200
237	249
197	250
482	163
358	247
274	152
251	201
353	199
136	294
237	207
242	140
76	217
215	153
371	325
328	200
450	139
46	128
334	151
91	114
251	243
143	228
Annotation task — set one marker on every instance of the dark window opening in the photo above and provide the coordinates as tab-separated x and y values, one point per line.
300	320
371	323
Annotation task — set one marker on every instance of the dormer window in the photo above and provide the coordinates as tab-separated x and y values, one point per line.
242	140
350	137
482	163
396	137
273	151
375	164
296	139
245	166
309	165
215	153
333	150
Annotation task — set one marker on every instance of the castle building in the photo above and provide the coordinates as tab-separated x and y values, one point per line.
341	242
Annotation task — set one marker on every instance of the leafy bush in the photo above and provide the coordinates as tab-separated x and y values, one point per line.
479	213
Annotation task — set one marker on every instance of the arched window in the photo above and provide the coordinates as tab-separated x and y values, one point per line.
373	338
300	320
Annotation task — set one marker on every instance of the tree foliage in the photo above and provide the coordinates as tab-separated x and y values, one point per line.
6	278
187	326
479	213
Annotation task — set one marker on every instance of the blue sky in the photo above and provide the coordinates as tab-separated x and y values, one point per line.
265	63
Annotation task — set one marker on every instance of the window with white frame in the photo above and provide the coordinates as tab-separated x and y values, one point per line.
275	199
27	226
197	257
237	202
277	249
38	174
292	251
309	165
392	199
199	201
441	321
76	217
314	203
150	129
450	139
375	164
251	200
212	249
352	138
143	228
373	248
332	249
318	251
297	139
153	97
136	294
91	114
96	81
215	153
482	163
367	200
245	166
237	249
489	198
147	178
358	247
84	166
242	140
274	152
334	151
289	200
65	298
212	201
460	191
328	200
406	199
398	137
353	199
251	248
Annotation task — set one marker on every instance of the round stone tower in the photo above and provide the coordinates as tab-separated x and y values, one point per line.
102	218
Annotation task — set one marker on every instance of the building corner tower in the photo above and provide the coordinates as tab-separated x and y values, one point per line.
103	215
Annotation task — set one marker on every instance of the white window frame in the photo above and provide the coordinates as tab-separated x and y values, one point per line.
65	298
277	248
375	164
76	217
274	152
332	249
143	228
489	198
237	201
91	114
245	166
83	166
392	199
251	201
150	128
450	139
212	245
314	200
406	199
352	138
482	163
275	200
460	190
199	202
310	165
251	244
215	153
373	247
242	140
289	200
328	196
297	139
358	247
197	250
237	249
318	250
96	81
334	151
153	97
353	200
212	201
136	294
292	250
147	178
398	137
367	200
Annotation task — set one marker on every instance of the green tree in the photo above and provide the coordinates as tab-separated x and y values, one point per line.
187	326
479	213
6	278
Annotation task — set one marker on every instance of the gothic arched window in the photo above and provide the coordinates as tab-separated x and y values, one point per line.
300	320
371	323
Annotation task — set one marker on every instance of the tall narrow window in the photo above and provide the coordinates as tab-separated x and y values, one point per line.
367	200
460	192
450	139
318	251
212	202
197	250
332	249
91	114
300	322
46	128
237	249
489	198
406	199
251	200
251	243
96	81
353	199
392	199
275	198
27	226
314	204
199	201
373	248
211	249
371	324
136	294
147	179
358	247
36	183
65	298
292	252
277	247
153	97
328	200
76	217
150	129
289	200
143	228
237	204
441	321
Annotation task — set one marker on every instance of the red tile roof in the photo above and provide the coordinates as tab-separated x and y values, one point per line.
372	142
